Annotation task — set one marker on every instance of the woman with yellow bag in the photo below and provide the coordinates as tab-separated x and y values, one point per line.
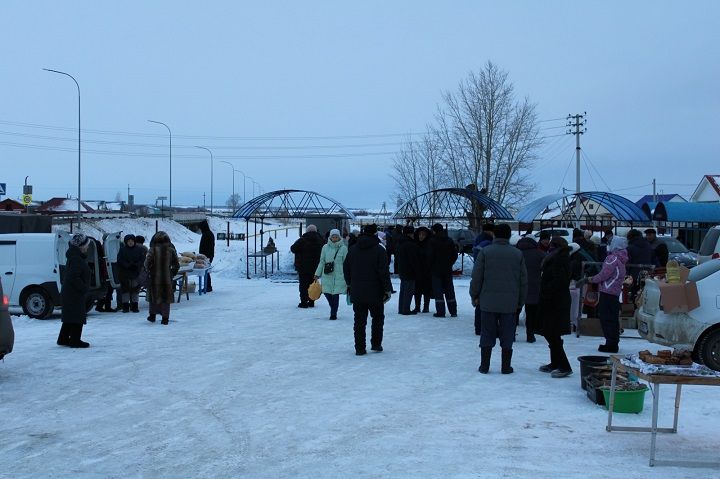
330	270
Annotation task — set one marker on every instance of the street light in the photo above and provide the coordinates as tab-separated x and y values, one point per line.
253	185
211	176
232	167
78	89
168	129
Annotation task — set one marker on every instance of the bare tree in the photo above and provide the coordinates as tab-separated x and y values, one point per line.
233	202
483	136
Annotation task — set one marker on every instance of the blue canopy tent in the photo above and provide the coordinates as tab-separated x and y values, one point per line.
688	221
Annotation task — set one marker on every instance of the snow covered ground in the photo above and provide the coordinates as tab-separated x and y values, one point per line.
242	383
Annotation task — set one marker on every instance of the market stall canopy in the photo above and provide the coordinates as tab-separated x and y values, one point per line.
451	204
673	212
618	206
284	204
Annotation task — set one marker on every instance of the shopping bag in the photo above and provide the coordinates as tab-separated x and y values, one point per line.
315	291
592	296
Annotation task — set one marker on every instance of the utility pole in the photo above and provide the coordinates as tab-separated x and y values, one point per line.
577	121
654	191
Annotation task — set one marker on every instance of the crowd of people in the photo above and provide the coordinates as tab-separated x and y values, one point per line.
152	268
536	277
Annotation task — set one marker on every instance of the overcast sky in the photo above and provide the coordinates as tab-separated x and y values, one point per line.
319	95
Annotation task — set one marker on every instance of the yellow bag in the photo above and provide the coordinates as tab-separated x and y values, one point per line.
315	290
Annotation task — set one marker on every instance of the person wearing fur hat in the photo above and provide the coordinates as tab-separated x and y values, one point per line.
423	284
408	263
610	279
130	260
75	287
307	255
554	307
330	270
443	254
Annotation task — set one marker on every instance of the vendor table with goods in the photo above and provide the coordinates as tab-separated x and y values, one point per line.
655	375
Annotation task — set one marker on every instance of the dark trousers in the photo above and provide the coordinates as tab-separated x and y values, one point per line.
377	311
558	358
478	321
306	280
609	312
443	290
70	332
163	309
493	323
531	314
423	294
407	291
334	302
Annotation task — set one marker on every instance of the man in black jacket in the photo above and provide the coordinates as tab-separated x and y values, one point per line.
443	254
407	261
307	257
368	280
207	248
130	260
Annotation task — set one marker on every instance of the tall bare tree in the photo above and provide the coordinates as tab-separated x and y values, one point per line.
483	136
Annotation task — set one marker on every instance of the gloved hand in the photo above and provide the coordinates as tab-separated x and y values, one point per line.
387	296
476	302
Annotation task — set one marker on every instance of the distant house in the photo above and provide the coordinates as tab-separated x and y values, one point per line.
8	204
106	206
708	190
669	198
63	206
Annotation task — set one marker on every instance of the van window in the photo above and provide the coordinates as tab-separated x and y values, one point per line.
708	245
673	245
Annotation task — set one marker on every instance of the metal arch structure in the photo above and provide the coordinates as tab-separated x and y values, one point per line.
279	205
451	204
562	207
289	204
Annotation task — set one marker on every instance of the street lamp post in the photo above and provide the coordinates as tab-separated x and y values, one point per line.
211	176
170	132
233	179
79	163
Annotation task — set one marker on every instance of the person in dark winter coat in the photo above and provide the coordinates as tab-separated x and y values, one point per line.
423	283
499	288
485	238
554	307
162	265
307	251
533	260
544	241
368	279
130	260
207	248
75	287
641	257
661	252
408	263
443	254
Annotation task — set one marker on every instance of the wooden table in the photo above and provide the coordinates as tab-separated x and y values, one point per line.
655	380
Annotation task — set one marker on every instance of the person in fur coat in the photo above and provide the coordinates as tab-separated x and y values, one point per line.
162	265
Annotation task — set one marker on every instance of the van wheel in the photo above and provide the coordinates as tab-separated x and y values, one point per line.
710	350
37	303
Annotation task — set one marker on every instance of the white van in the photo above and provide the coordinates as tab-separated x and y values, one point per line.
710	247
32	267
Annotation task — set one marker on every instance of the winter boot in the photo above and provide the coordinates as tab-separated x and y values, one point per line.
135	307
165	321
126	307
64	336
485	354
74	337
608	348
506	359
452	308
311	304
151	318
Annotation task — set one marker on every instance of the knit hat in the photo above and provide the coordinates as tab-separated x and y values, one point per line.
370	230
79	240
617	242
437	228
408	230
335	232
311	228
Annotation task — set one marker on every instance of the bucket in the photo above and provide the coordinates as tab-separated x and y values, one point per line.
587	365
626	401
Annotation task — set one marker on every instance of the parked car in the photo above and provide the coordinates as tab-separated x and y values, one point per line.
463	238
697	330
32	266
679	252
7	334
710	247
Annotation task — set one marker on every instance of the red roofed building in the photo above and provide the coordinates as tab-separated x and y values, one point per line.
9	204
63	206
708	190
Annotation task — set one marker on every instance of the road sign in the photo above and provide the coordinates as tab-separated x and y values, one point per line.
3	189
27	199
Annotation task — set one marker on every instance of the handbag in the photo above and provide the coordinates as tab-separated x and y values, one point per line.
592	296
330	267
315	291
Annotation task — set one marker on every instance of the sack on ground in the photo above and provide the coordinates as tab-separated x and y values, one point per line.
315	291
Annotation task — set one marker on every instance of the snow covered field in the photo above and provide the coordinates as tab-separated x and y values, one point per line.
242	383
